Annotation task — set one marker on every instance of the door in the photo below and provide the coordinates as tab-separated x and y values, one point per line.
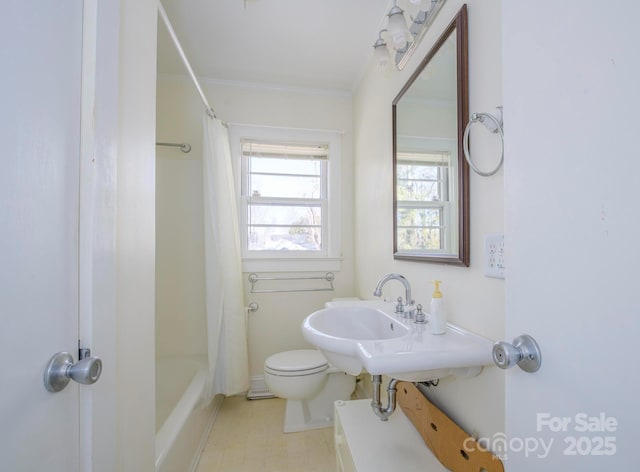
40	51
572	225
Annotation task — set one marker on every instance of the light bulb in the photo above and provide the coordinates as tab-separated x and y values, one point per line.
397	27
381	55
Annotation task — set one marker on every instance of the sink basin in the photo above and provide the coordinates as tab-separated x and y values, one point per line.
367	335
355	322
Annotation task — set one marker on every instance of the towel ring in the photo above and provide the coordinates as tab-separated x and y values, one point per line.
495	127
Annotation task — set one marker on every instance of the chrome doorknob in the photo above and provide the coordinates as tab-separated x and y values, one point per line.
505	355
61	369
524	351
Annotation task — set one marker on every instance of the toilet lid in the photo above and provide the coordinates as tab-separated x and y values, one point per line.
298	362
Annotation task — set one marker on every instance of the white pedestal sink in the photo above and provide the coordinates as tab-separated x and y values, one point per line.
367	335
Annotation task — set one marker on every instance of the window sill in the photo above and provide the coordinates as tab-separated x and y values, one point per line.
325	264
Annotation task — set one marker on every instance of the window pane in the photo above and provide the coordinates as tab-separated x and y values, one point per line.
288	238
284	186
418	191
418	239
285	227
416	171
419	217
285	215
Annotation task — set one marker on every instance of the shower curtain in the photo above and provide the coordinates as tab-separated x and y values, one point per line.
226	314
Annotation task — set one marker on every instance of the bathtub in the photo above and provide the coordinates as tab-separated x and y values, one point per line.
182	420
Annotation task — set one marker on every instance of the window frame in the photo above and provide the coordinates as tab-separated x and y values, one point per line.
330	257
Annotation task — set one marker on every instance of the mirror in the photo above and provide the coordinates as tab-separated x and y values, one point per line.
430	173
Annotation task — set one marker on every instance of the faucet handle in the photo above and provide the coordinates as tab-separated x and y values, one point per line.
400	306
420	316
409	311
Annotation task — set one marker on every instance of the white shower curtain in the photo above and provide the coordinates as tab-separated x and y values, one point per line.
226	315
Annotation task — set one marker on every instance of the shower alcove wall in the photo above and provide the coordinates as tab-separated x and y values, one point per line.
182	420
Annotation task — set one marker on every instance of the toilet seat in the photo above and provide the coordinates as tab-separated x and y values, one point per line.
296	363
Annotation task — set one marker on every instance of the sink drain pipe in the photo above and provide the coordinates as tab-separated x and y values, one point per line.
376	405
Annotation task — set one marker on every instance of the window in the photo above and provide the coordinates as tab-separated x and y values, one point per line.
423	203
289	200
286	196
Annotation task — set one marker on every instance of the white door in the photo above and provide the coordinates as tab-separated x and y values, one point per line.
572	167
40	53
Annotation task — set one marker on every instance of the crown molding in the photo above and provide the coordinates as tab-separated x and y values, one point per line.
282	88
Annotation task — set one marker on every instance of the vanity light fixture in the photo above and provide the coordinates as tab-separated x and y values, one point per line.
404	38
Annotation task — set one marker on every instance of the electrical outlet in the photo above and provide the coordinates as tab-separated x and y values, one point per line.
494	257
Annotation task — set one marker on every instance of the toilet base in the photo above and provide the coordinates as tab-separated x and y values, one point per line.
317	412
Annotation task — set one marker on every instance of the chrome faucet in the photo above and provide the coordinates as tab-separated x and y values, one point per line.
407	288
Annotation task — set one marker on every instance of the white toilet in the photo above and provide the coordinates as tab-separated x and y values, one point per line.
310	384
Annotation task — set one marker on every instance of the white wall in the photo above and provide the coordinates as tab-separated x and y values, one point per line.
474	301
572	166
181	318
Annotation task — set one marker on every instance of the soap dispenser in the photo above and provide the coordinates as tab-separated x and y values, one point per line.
438	314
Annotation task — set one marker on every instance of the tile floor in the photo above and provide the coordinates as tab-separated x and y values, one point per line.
247	436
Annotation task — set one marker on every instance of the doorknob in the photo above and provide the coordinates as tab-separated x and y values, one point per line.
524	351
61	369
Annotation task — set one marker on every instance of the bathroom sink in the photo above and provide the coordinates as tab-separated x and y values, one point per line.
358	336
339	329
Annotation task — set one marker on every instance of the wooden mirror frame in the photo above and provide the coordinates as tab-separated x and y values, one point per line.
459	26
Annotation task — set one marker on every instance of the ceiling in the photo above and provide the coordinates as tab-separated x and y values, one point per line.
321	44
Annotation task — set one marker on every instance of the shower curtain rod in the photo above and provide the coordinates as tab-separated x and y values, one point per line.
176	42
